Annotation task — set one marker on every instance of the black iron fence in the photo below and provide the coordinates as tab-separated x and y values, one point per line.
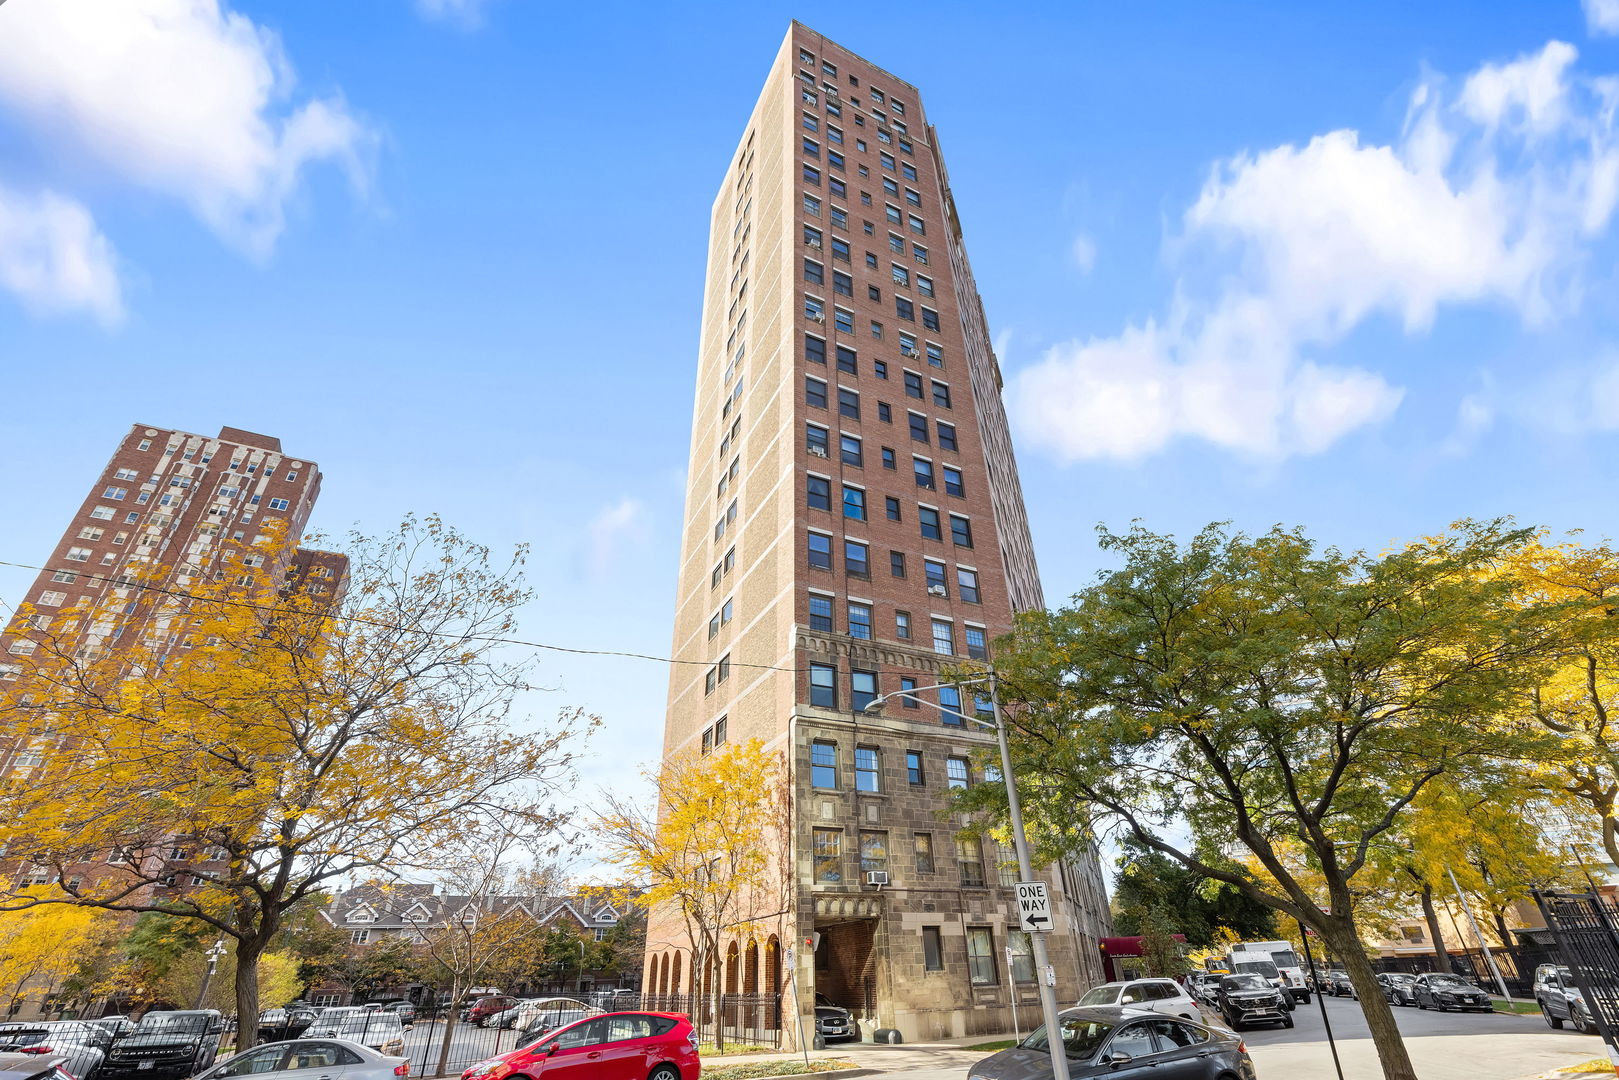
742	1019
1583	926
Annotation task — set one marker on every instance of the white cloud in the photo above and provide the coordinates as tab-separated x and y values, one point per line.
181	97
466	14
612	529
54	258
1487	199
1601	17
1084	252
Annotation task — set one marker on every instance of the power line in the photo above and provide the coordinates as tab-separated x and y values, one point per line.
103	579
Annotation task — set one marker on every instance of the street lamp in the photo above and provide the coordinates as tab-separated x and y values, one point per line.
213	956
1048	994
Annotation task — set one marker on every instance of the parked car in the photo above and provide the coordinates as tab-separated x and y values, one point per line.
32	1067
832	1021
1445	992
1339	984
286	1023
1158	995
1114	1041
1204	987
1397	987
488	1006
167	1044
403	1006
379	1029
118	1026
615	999
303	1059
654	1046
82	1047
1251	999
541	1015
1560	999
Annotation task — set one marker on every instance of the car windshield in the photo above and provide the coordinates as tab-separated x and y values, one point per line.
171	1023
1285	958
1081	1038
1446	981
1105	994
1256	967
1243	982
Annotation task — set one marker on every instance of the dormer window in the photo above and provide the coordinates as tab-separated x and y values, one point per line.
362	915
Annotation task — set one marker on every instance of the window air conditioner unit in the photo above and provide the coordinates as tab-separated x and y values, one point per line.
909	352
818	451
816	244
818	318
935	590
877	877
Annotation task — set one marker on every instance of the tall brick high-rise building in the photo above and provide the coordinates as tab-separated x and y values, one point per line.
154	523
854	524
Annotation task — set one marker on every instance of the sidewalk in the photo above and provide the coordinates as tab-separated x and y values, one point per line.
882	1057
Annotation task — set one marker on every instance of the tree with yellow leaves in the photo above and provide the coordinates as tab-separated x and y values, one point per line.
41	947
276	738
704	847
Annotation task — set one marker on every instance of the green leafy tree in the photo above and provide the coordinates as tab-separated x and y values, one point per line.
1267	695
1192	903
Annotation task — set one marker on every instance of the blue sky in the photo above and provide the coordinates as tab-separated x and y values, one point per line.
1351	269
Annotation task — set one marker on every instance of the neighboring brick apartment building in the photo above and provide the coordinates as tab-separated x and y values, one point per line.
854	515
157	520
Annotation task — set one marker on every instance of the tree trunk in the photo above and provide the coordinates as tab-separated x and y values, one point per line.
1341	936
248	951
1431	915
1610	836
450	1018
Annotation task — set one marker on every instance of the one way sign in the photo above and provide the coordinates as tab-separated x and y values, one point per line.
1033	906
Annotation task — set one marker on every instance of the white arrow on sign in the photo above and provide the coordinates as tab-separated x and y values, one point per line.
1034	906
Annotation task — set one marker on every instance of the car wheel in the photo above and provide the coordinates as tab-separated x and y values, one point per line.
1554	1022
1421	1004
1287	1021
665	1072
1580	1023
1305	999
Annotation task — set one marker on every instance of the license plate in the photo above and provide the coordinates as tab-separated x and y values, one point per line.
145	1064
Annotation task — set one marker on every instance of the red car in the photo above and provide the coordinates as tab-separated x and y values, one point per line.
612	1046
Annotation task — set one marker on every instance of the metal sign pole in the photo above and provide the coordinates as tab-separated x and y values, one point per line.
1320	998
1044	973
1485	945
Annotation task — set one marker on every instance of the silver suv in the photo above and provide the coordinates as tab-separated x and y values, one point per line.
1559	998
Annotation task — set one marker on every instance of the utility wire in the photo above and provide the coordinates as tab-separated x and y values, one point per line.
179	594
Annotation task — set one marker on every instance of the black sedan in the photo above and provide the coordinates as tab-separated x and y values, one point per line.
1398	987
1117	1041
1338	985
1445	992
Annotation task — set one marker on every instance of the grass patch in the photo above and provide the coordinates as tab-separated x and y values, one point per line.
735	1048
1594	1065
1523	1008
999	1044
758	1069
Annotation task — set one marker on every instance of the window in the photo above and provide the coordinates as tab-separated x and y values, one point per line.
115	493
838	187
896	563
820	551
924	285
935	355
812	149
884	412
919	253
896	243
102	513
941	394
840	252
815	440
913	389
91	532
913	197
947	436
51	598
950	706
867	768
856	558
820	613
278	504
952	481
125	474
930	319
932	946
854	503
873	293
916	225
859	621
893	215
961	531
814	309
892	508
976	647
824	755
873	852
900	275
844	320
1005	858
944	637
834	134
829	856
887	159
879	368
815	391
923	468
904	309
77	554
848	403
1020	955
849	450
919	428
813	272
929	519
871	260
934	574
848	361
812	206
810	121
359	937
840	218
842	283
66	577
980	942
812	176
888	457
906	169
955	772
967	585
890	187
902	625
815	350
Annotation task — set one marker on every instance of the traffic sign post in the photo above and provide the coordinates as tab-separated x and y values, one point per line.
1034	907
